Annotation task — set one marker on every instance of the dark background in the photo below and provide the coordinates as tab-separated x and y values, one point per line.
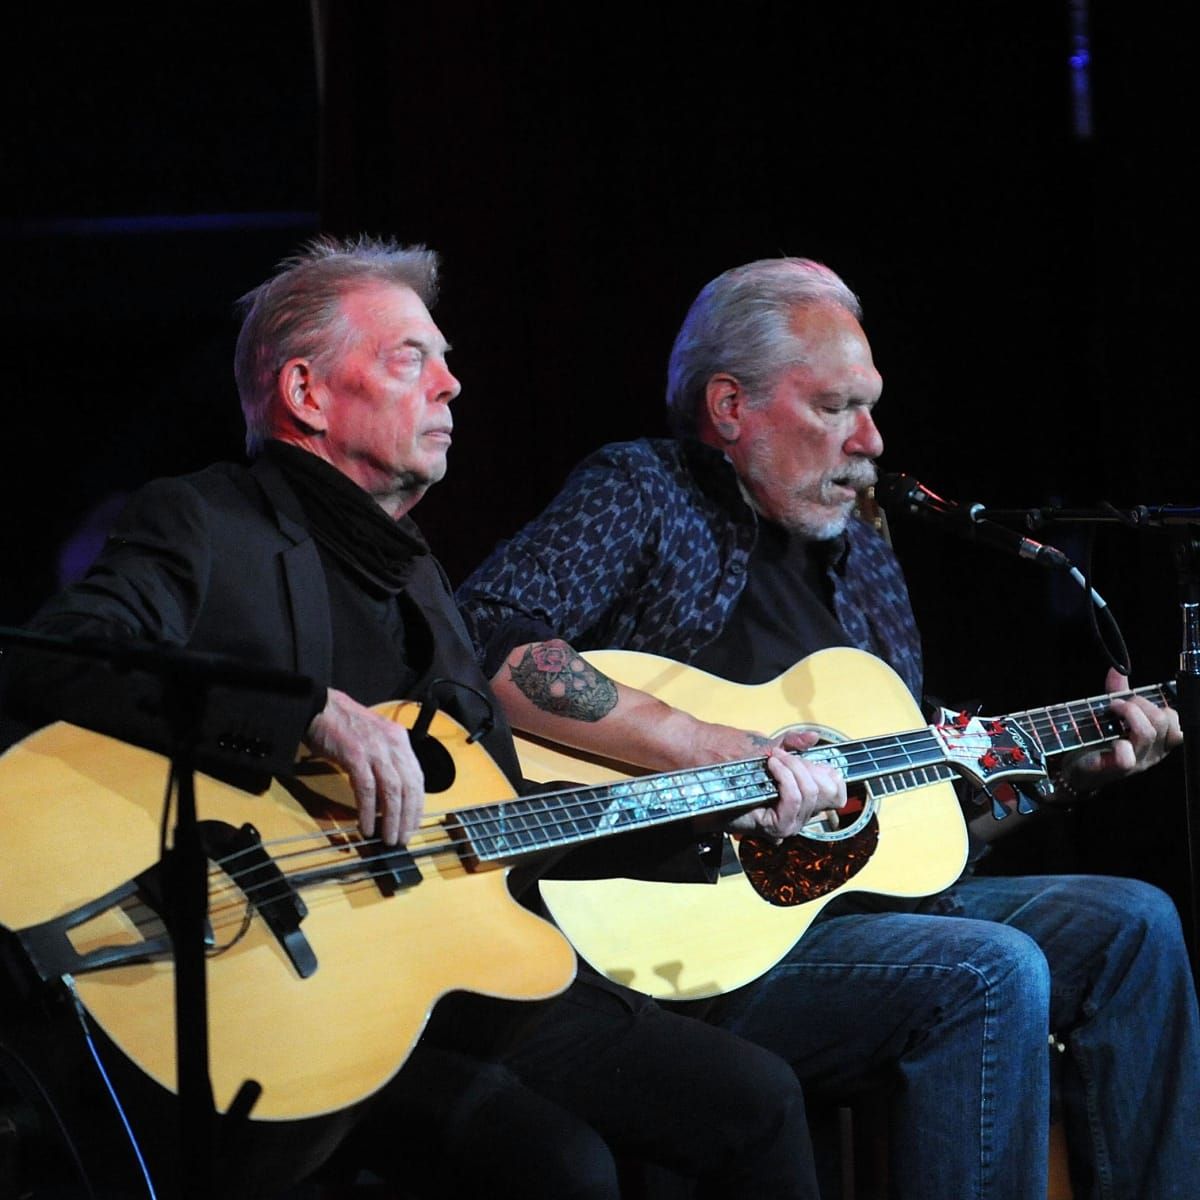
1021	245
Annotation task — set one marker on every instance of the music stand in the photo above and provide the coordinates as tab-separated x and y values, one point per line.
184	682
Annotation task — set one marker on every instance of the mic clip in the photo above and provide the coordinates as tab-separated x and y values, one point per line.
967	520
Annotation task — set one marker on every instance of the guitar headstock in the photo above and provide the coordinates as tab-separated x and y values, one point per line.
988	750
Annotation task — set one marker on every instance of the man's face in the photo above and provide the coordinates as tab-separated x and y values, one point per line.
389	394
805	453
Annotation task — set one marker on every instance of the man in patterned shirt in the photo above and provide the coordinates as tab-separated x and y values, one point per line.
735	548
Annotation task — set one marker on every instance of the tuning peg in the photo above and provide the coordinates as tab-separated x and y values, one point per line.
999	812
1025	802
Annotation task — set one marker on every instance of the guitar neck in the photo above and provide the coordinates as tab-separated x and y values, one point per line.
1058	728
573	816
1083	723
895	763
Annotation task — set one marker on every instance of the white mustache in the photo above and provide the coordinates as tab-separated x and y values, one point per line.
858	475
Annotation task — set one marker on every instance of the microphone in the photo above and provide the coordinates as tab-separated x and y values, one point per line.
913	497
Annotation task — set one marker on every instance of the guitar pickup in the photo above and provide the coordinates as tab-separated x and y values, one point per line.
265	887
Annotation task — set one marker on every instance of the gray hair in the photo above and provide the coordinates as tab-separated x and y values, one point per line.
297	313
740	324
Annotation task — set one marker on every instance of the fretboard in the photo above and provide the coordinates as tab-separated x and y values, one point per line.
894	763
1082	723
568	817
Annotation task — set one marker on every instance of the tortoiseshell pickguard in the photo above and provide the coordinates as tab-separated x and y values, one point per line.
800	869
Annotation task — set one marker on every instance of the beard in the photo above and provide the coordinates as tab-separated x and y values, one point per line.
817	511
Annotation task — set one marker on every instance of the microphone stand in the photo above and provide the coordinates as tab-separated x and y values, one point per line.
1184	526
1145	516
1187	563
185	679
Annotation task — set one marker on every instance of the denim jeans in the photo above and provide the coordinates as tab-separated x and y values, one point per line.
953	1007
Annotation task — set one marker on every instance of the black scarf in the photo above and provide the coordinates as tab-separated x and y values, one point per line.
347	522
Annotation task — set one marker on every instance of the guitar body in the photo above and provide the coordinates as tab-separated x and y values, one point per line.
81	815
688	941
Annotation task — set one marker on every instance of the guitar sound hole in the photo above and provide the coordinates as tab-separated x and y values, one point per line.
860	803
846	822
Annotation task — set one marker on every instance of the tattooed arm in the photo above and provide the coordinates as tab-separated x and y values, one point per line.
549	690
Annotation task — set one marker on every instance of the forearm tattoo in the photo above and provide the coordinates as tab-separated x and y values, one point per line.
559	681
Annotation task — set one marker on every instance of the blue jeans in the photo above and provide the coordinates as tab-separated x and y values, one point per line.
953	1006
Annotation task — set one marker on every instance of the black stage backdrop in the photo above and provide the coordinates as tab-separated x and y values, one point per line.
1006	184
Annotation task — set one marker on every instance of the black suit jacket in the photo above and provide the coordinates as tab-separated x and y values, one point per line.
217	564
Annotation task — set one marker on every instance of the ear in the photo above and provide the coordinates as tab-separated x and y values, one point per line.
724	402
301	398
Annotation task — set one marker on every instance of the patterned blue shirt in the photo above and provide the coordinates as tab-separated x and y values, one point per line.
647	548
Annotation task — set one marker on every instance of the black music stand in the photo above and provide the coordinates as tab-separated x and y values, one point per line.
184	682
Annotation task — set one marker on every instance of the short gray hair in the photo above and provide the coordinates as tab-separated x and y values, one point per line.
739	324
297	312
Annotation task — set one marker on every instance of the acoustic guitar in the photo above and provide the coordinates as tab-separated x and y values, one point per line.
903	835
327	953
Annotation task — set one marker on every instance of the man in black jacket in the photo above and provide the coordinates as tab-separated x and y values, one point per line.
308	561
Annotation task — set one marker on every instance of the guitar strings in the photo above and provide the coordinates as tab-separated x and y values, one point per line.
436	837
529	816
733	776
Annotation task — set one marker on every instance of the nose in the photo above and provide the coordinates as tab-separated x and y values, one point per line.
446	385
865	439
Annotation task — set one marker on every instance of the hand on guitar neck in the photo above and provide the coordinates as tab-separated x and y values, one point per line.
1151	733
552	692
808	791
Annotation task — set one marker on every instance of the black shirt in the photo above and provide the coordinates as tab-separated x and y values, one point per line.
784	614
396	631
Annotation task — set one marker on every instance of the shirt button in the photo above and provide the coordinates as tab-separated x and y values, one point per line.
737	567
